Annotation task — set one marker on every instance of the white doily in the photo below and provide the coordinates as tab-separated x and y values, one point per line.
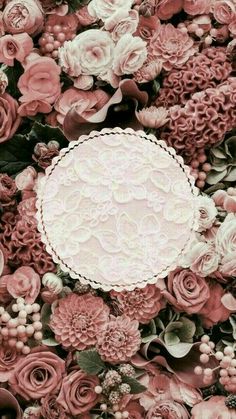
116	209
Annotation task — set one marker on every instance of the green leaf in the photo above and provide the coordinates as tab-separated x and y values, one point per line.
75	4
46	133
156	86
187	331
90	362
15	155
13	73
51	341
148	338
171	338
135	385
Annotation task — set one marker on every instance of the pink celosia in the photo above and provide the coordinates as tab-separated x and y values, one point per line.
120	340
78	320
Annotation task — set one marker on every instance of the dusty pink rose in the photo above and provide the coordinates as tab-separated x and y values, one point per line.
129	55
78	320
40	80
142	304
51	409
25	180
15	47
197	7
214	311
23	16
168	8
120	23
8	361
153	117
25	282
77	393
34	107
224	11
147	27
186	291
167	409
9	119
86	103
171	46
37	374
213	408
7	190
90	53
119	340
84	17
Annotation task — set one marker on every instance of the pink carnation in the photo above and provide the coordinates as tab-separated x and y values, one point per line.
172	46
142	304
120	340
153	117
78	320
25	282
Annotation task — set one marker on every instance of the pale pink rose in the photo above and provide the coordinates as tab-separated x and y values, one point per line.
77	393
34	107
167	409
86	103
50	409
213	408
90	53
224	11
83	82
197	7
232	27
207	212
25	180
129	55
119	340
9	119
8	360
37	374
172	46
229	301
186	291
228	264
40	80
84	17
153	117
226	236
214	311
24	16
15	47
25	282
120	23
203	258
103	9
168	8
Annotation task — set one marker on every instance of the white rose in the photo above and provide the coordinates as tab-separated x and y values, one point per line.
104	9
130	54
90	53
202	258
226	238
122	23
207	212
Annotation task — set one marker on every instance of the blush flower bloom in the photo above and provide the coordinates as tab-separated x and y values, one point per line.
78	320
23	16
120	340
153	117
25	282
171	46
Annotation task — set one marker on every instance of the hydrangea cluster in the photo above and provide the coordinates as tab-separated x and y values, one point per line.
68	67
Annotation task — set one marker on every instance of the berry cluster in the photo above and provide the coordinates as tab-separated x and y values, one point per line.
54	37
113	388
226	368
17	330
200	168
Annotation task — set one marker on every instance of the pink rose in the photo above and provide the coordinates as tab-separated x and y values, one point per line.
103	9
120	23
25	282
197	7
186	291
8	361
86	103
77	393
25	180
15	47
168	8
207	212
51	409
214	311
129	55
213	408
34	107
5	297
37	374
40	80
147	27
167	409
224	11
9	120
23	16
228	265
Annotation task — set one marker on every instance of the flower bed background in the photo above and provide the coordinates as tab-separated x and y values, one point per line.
167	350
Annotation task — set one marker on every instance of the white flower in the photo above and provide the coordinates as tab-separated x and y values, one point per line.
104	9
207	212
129	55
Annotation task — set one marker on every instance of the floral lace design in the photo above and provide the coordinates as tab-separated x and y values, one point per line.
116	209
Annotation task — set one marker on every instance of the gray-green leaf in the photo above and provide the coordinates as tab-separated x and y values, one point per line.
90	361
135	385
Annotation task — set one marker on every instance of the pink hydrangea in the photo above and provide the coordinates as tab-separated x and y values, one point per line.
78	320
120	340
172	46
142	304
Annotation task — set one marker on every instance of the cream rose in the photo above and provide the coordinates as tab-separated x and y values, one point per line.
226	236
207	212
122	23
201	257
103	9
130	54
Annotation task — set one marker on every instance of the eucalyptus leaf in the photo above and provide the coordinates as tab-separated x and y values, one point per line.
171	338
90	361
215	177
187	331
149	338
51	341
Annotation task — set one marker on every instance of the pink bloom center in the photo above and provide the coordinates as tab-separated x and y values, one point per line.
18	15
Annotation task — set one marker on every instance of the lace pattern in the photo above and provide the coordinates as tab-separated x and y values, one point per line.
116	209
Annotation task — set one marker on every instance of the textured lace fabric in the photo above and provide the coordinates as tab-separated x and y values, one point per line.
116	209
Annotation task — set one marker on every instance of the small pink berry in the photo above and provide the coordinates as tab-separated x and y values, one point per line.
206	167
219	355
205	348
22	320
198	370
233	363
28	308
208	40
56	44
49	47
231	191
192	27
212	345
5	317
61	37
194	164
26	350
21	329
199	32
226	360
29	330
228	350
42	41
200	184
38	336
36	317
12	323
15	308
54	54
13	332
57	28
12	342
19	345
98	389
208	372
37	325
202	176
205	339
36	307
232	370
223	373
202	157
5	331
204	358
22	314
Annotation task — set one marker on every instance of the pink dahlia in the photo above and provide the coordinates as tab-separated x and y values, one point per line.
141	304
120	340
171	46
78	320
